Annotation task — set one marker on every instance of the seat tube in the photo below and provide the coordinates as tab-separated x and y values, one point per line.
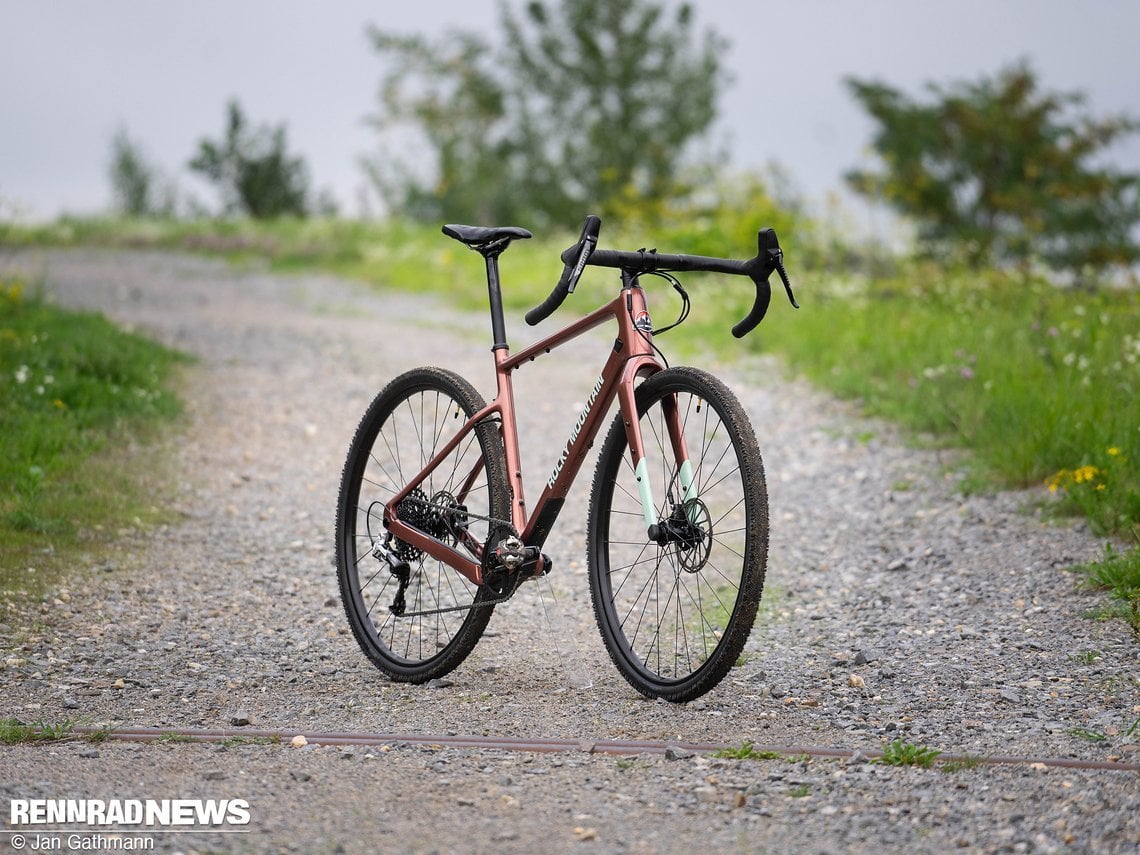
506	405
495	297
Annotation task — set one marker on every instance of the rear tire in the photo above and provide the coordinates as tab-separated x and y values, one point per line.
413	417
675	616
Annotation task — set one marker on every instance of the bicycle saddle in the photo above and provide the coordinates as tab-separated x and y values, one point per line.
477	236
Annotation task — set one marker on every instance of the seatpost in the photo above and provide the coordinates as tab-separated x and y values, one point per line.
495	294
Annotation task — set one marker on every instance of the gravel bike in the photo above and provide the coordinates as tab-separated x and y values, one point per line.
432	528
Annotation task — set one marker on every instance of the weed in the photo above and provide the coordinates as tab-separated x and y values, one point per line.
1086	657
173	737
15	732
799	791
966	762
747	751
899	753
1039	382
98	735
1086	733
1119	574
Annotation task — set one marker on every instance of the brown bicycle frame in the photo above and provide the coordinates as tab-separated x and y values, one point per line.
632	356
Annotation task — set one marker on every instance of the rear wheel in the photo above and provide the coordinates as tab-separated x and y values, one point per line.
443	612
676	608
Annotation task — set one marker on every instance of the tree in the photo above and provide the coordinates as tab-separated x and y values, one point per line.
998	171
253	171
449	92
136	185
589	101
610	94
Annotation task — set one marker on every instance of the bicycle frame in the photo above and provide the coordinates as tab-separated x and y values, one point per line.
631	357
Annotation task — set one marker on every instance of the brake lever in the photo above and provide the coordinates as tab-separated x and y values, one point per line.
777	257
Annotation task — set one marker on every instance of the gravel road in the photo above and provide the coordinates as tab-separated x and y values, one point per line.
896	609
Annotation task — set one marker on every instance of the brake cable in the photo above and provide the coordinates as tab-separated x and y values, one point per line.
686	306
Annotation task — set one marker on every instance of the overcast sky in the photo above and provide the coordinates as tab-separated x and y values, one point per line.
71	73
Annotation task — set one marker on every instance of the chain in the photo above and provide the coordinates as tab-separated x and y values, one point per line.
502	598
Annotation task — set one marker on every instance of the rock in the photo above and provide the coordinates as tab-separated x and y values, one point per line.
866	655
1011	696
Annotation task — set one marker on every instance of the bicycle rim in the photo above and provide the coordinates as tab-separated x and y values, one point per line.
675	615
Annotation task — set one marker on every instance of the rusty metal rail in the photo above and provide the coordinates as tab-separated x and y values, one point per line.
548	745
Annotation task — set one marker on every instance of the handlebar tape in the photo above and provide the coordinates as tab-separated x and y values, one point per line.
574	260
759	308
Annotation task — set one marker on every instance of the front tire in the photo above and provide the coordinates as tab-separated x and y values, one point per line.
674	616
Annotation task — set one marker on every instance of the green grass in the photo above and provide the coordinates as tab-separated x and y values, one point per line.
1119	574
77	397
15	732
1087	734
965	763
746	751
1041	384
899	753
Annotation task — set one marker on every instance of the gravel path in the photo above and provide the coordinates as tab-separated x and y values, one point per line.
895	609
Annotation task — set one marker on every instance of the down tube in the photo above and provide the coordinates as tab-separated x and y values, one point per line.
617	380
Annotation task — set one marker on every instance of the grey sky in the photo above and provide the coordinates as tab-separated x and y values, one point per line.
71	73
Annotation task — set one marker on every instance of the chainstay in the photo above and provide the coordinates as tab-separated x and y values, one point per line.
455	512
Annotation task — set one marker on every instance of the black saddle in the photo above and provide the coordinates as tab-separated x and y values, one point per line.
486	239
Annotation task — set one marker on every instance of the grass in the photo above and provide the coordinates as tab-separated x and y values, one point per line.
965	763
77	398
899	753
746	751
15	732
1042	384
1119	574
1087	734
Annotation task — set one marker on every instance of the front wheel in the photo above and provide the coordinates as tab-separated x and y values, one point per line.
675	601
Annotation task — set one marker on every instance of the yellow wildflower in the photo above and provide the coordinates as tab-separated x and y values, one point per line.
1084	474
